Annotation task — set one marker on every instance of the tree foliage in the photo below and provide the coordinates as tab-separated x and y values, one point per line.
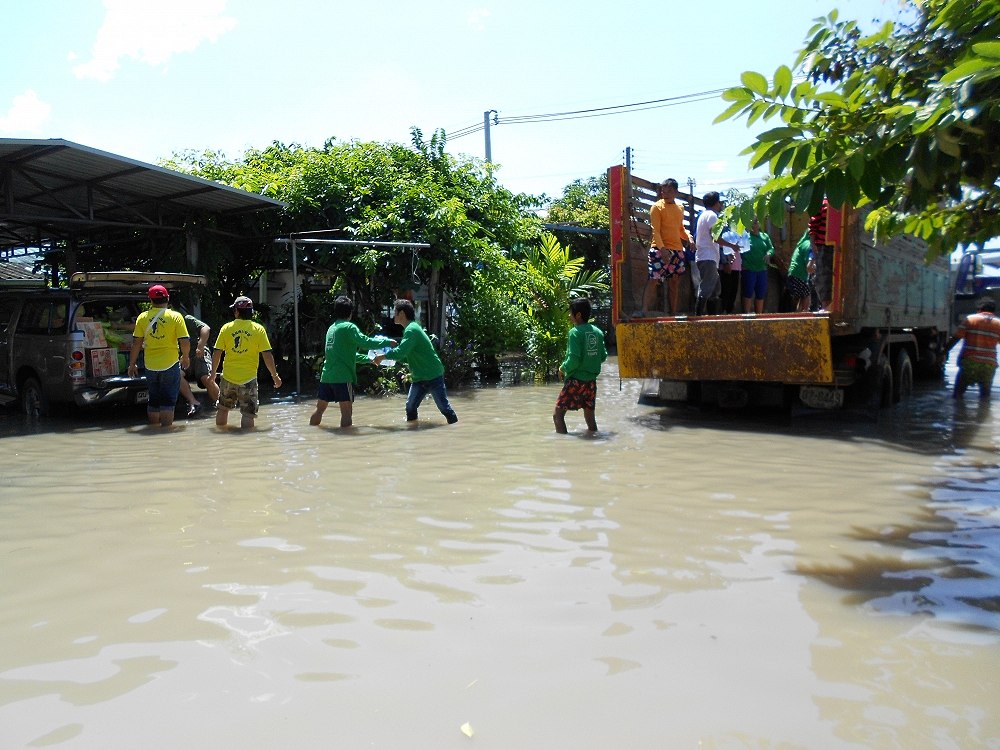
584	203
509	282
379	192
906	118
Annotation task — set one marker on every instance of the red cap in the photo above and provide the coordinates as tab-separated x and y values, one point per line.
157	292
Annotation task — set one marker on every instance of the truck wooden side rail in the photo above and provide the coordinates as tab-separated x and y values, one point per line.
890	315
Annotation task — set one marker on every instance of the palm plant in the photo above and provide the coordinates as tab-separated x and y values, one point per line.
553	279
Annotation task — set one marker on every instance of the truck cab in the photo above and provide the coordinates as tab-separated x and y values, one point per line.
70	345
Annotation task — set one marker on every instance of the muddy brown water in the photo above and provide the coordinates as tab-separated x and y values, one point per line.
685	579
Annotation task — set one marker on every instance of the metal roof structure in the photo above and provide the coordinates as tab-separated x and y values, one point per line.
53	190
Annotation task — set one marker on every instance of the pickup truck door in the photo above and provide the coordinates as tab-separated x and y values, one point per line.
7	310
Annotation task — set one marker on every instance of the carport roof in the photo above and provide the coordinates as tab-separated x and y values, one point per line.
54	189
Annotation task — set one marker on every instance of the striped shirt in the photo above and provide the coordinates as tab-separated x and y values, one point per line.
818	225
981	332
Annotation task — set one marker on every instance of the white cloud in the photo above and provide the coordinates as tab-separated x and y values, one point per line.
717	167
152	31
27	114
477	19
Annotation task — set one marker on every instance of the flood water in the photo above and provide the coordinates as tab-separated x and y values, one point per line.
684	579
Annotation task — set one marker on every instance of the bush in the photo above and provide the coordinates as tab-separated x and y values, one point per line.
459	362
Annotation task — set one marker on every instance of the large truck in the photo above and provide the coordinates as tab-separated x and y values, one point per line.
889	319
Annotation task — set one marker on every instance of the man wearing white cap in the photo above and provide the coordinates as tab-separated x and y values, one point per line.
241	340
159	330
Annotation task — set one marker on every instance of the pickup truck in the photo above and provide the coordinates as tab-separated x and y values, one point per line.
70	345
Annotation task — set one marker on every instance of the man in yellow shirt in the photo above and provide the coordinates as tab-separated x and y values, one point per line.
241	340
159	330
666	251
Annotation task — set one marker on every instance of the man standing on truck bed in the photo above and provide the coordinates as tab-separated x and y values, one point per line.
666	250
159	330
977	362
707	255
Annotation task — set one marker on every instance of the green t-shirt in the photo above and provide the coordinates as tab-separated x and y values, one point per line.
585	352
242	341
798	266
416	350
194	327
755	258
344	344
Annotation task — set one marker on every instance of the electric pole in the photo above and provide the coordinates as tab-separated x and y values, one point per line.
691	186
486	127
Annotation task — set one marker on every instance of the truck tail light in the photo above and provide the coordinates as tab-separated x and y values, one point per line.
77	365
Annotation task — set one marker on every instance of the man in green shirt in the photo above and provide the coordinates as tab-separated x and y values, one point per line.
754	278
201	365
345	347
585	353
426	368
797	282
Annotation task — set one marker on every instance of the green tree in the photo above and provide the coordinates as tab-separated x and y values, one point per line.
906	118
388	192
584	204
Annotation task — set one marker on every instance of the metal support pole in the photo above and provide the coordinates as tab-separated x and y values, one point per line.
295	323
307	238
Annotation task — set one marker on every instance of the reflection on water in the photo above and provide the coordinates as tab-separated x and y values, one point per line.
685	578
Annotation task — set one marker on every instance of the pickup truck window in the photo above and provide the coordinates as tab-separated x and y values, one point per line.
43	317
6	312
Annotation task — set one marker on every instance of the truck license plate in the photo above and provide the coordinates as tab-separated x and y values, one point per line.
142	397
820	397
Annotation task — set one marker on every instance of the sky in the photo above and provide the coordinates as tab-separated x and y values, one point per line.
146	79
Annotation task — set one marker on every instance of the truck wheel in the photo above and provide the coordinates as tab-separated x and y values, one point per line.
33	400
878	386
902	377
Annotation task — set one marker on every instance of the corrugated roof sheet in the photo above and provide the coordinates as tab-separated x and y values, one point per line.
13	273
55	187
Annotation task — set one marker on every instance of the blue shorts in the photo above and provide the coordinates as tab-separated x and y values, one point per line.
163	385
335	392
755	284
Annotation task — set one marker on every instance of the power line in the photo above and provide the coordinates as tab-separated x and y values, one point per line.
618	109
462	132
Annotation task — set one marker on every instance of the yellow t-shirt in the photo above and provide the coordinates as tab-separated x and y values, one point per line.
160	329
667	222
241	341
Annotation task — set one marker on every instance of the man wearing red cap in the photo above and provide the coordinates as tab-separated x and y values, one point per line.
159	330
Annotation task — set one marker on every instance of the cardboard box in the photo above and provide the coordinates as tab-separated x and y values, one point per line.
103	362
93	334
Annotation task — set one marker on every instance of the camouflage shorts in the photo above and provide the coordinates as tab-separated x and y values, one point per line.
971	372
244	394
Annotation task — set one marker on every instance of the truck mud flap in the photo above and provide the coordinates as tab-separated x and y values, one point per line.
777	349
